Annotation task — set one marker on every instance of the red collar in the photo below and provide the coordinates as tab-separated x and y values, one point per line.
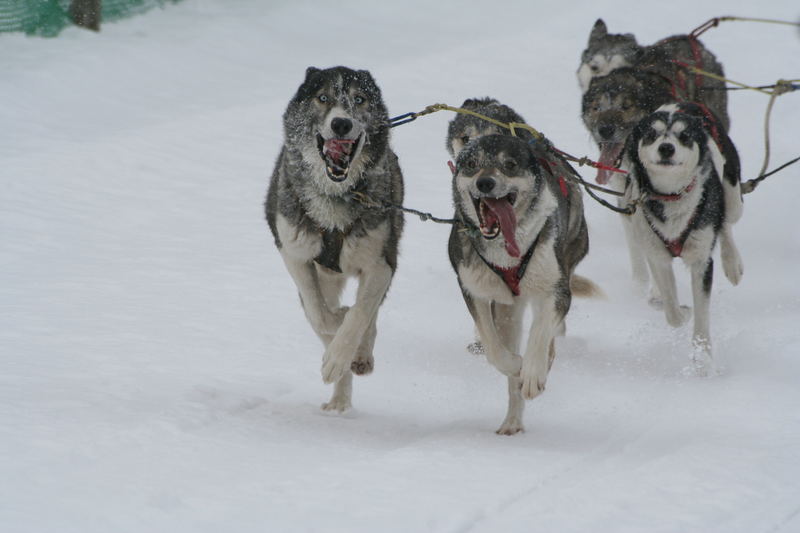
677	196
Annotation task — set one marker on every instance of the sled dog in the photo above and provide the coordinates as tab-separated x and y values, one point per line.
465	128
336	148
649	77
687	201
521	233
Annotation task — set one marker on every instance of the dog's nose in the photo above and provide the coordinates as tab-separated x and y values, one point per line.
606	131
666	150
485	185
341	126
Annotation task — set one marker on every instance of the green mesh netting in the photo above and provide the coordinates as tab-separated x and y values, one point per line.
48	17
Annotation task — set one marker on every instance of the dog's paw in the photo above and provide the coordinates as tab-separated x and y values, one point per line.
476	348
679	318
363	365
733	267
510	427
533	383
339	405
702	364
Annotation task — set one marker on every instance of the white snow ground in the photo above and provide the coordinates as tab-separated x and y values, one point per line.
157	373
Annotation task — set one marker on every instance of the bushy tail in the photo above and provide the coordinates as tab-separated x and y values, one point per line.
585	288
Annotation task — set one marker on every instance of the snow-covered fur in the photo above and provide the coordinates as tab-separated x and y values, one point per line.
678	174
521	234
336	144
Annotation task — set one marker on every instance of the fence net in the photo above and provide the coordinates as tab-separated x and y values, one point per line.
48	17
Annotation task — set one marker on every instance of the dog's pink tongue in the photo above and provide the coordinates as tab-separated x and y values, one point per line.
504	214
609	153
337	148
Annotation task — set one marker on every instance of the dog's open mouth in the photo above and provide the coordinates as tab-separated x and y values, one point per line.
337	155
496	216
609	156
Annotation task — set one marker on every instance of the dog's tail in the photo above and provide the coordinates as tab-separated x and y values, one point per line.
585	288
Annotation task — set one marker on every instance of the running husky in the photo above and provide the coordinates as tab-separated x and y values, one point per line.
642	78
521	233
688	200
336	144
670	58
465	128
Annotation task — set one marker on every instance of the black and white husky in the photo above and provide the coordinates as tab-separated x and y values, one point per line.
689	196
521	234
336	145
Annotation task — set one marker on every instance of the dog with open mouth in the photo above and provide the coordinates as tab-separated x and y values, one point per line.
520	235
336	148
688	200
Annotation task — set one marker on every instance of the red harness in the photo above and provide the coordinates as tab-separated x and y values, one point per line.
512	276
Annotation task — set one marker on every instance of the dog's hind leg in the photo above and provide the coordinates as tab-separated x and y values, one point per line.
373	283
731	260
664	278
702	278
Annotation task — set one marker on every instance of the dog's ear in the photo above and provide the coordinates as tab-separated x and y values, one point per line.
368	75
310	71
599	31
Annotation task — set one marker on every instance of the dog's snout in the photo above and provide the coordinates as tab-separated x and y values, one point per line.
341	126
485	185
666	150
606	131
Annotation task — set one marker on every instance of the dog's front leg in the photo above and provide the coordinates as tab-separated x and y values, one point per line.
702	279
638	263
324	321
373	283
548	315
731	260
664	277
497	352
499	332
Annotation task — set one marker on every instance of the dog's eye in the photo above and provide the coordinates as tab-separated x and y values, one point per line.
649	137
594	68
465	139
471	164
510	166
359	100
685	139
626	106
322	98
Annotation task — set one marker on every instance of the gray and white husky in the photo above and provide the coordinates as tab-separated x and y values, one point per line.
622	82
606	52
689	199
521	233
336	145
668	58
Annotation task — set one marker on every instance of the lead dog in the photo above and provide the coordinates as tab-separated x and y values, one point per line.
336	145
521	233
677	170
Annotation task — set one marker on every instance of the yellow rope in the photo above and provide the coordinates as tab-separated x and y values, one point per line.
772	21
511	126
